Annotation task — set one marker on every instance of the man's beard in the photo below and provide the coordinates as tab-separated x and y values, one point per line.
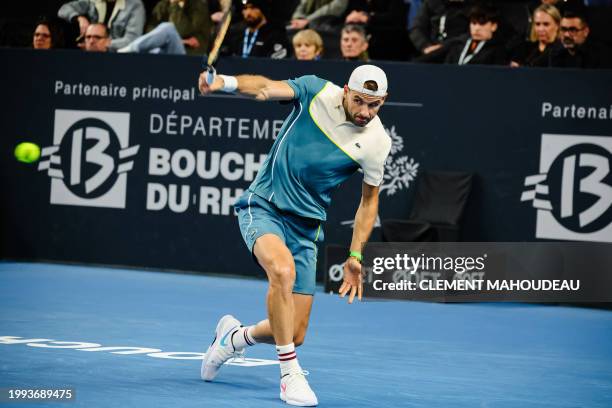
568	43
253	22
361	122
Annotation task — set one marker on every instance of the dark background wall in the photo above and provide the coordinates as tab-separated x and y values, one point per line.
489	121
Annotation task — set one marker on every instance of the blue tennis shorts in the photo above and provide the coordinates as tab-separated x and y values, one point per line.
258	216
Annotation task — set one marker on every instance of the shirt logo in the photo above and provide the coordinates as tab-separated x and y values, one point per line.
223	341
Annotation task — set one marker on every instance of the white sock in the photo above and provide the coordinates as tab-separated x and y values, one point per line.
287	358
242	338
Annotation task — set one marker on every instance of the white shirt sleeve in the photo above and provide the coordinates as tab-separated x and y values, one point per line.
373	163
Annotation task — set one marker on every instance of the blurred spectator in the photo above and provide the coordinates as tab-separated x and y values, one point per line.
520	13
354	43
479	47
175	27
163	39
280	13
20	18
254	36
385	22
437	21
307	45
125	19
413	8
317	14
376	13
97	38
47	35
544	32
42	37
576	49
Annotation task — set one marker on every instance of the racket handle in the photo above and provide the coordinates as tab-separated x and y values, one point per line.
210	74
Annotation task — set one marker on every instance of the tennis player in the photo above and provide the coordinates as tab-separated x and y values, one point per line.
331	133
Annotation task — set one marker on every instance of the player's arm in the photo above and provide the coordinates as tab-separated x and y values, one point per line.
364	223
253	86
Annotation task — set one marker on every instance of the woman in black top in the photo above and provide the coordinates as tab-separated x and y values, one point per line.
544	32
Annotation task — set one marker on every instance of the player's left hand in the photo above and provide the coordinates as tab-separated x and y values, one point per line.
352	280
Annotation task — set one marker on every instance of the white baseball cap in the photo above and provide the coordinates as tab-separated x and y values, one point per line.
364	73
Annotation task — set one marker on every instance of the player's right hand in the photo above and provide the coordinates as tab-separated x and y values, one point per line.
353	282
205	88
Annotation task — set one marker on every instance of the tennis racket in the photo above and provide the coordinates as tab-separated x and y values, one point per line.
214	51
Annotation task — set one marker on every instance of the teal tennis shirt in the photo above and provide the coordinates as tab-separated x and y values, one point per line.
317	149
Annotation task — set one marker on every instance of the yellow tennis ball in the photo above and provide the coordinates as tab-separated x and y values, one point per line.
27	152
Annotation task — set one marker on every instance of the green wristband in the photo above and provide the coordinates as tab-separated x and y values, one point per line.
356	255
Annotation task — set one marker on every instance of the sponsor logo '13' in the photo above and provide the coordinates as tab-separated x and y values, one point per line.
90	158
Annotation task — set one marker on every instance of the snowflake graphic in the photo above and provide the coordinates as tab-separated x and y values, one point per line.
399	171
397	142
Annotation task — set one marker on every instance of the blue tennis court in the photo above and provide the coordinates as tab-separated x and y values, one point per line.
391	354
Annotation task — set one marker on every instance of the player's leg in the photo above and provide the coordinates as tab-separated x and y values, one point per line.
263	229
257	218
300	237
291	268
276	259
302	305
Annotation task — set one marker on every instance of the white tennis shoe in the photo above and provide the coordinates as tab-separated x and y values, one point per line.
221	349
294	390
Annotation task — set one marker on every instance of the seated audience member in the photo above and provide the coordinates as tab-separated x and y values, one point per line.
519	14
125	19
413	8
307	45
317	14
175	27
47	35
544	32
354	43
97	38
255	36
576	49
385	21
479	47
437	21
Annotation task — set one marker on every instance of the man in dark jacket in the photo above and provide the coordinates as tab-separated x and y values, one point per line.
255	36
480	47
576	49
437	21
385	22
